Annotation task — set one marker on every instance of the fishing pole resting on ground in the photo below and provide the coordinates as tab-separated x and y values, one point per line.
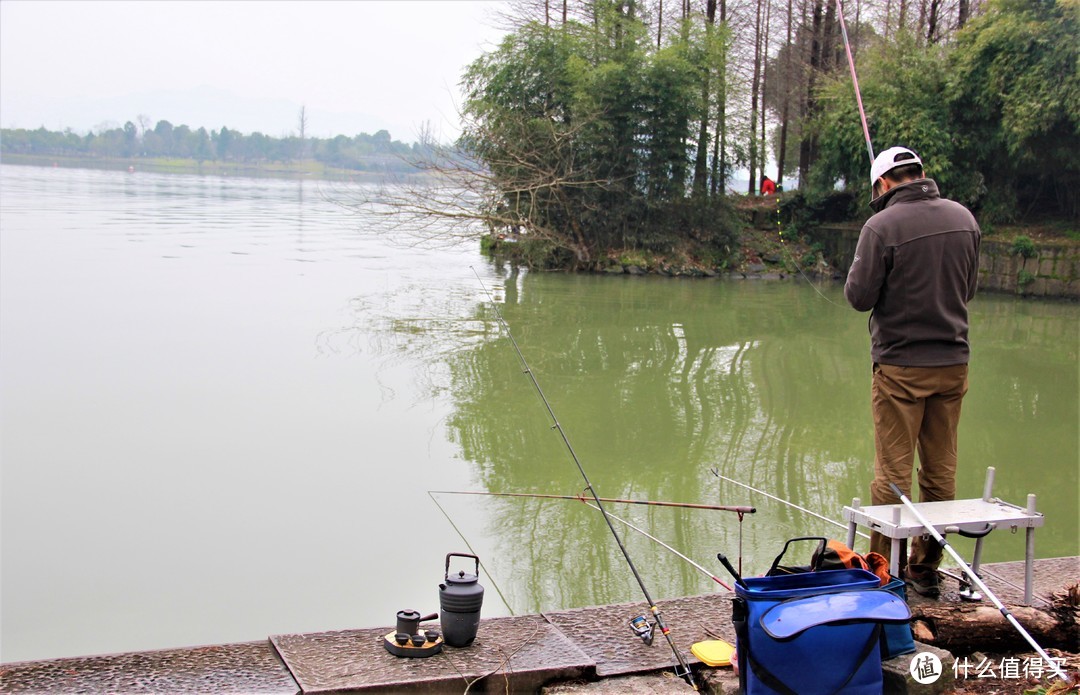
682	668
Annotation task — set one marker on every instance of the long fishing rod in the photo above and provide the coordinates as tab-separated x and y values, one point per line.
783	501
854	79
975	578
581	498
683	669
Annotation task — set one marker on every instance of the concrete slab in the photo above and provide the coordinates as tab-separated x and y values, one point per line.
517	653
604	634
249	667
1051	575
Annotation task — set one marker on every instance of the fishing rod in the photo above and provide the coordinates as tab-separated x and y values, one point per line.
827	520
976	579
683	668
581	498
693	564
854	79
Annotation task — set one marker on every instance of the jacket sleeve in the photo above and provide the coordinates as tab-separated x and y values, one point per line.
867	272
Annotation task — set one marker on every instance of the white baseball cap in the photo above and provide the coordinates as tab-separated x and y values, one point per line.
889	160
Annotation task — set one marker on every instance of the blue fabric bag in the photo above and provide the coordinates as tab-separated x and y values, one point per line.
896	638
813	633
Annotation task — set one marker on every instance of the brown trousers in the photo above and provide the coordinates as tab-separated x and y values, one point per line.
915	409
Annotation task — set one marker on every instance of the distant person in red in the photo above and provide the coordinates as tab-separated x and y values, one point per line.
768	187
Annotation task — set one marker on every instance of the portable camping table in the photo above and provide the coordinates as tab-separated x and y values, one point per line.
973	518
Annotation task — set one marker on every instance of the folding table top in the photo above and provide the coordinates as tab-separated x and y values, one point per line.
970	516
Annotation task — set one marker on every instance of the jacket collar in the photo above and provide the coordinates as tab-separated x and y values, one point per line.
919	189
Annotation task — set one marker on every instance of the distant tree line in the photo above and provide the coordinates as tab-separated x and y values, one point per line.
363	152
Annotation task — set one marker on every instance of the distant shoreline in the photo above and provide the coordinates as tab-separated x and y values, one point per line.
307	169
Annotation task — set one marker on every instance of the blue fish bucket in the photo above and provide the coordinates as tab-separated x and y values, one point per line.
813	633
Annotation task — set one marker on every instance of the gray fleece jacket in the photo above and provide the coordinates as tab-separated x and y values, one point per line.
916	266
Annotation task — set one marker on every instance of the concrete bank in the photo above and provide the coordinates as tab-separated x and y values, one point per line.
589	649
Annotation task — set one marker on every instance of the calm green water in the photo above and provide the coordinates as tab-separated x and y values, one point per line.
223	403
658	381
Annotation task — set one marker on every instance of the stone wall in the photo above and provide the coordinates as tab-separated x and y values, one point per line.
1052	272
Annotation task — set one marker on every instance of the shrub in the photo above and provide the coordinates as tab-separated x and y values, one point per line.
1023	246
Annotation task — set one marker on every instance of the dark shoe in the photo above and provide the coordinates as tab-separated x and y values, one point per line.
924	585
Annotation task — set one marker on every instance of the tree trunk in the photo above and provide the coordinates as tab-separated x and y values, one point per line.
755	86
701	159
931	23
765	82
978	626
962	13
659	24
806	143
786	109
720	169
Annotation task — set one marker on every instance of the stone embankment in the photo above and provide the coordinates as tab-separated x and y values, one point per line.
588	650
1046	268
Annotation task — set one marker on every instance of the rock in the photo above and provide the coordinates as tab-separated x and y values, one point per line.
756	268
634	270
614	270
897	678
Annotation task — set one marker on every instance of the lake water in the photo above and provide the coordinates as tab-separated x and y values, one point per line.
225	401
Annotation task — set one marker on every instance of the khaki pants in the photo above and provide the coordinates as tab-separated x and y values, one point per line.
915	408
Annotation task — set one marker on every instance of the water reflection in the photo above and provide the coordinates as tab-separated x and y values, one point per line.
656	381
166	358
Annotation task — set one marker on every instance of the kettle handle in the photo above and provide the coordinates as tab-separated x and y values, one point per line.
446	575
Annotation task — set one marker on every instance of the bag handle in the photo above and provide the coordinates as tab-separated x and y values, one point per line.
817	557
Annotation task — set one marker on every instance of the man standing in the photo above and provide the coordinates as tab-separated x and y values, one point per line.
916	266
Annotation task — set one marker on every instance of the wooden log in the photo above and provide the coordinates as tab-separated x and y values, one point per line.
964	627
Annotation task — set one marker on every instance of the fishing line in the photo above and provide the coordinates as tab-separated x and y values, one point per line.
469	546
783	242
695	565
682	668
866	134
715	472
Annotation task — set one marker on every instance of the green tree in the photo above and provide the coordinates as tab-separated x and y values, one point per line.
904	91
584	130
1015	97
223	140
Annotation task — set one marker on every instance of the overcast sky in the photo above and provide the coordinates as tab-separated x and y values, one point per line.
357	66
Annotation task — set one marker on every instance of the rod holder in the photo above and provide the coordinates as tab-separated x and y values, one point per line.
988	486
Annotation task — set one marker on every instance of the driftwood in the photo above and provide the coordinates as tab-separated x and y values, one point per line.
980	626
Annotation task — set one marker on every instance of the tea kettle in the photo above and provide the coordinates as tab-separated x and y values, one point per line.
460	598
